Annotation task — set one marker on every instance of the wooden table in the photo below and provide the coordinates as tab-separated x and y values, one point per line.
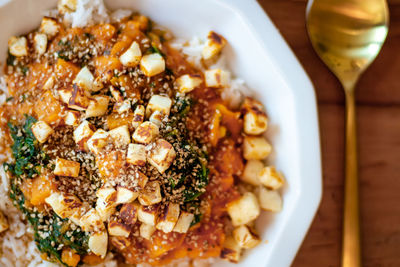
378	101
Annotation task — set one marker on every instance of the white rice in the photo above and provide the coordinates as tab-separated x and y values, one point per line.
17	248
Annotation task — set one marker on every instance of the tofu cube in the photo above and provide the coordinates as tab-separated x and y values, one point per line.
66	206
184	222
116	228
49	26
161	155
67	168
244	210
140	179
42	131
117	95
84	79
66	6
245	237
167	220
151	194
138	116
271	178
251	172
3	222
120	243
49	83
214	44
17	46
98	106
148	214
121	135
106	202
122	107
231	250
152	64
129	213
40	43
72	118
146	230
82	134
79	99
131	57
255	121
125	195
217	78
98	141
256	147
65	94
145	133
188	82
91	221
157	118
160	103
98	243
136	155
269	200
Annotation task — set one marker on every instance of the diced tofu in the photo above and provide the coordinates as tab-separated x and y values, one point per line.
148	214
98	243
269	200
184	222
84	79
217	78
129	213
136	155
106	202
145	133
66	206
98	106
251	172
152	64
271	178
120	243
231	250
131	57
67	168
82	134
91	221
140	179
244	210
42	131
120	135
117	95
125	195
72	118
40	43
160	103
162	155
214	44
66	6
122	107
255	120
188	82
156	118
3	222
98	84
147	230
49	26
138	116
245	237
18	46
65	94
79	99
256	147
167	221
116	228
151	194
98	141
49	83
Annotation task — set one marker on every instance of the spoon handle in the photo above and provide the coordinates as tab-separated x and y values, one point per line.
351	254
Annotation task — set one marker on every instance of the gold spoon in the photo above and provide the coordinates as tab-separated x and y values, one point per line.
348	35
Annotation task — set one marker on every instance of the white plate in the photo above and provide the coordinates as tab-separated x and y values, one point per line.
260	56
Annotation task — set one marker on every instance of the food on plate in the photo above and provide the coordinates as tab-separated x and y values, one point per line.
120	145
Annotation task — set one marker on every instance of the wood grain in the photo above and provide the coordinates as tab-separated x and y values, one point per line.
378	99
